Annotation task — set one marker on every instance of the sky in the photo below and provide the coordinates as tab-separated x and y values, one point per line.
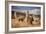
32	10
24	7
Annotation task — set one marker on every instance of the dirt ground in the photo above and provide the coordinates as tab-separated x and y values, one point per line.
19	23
